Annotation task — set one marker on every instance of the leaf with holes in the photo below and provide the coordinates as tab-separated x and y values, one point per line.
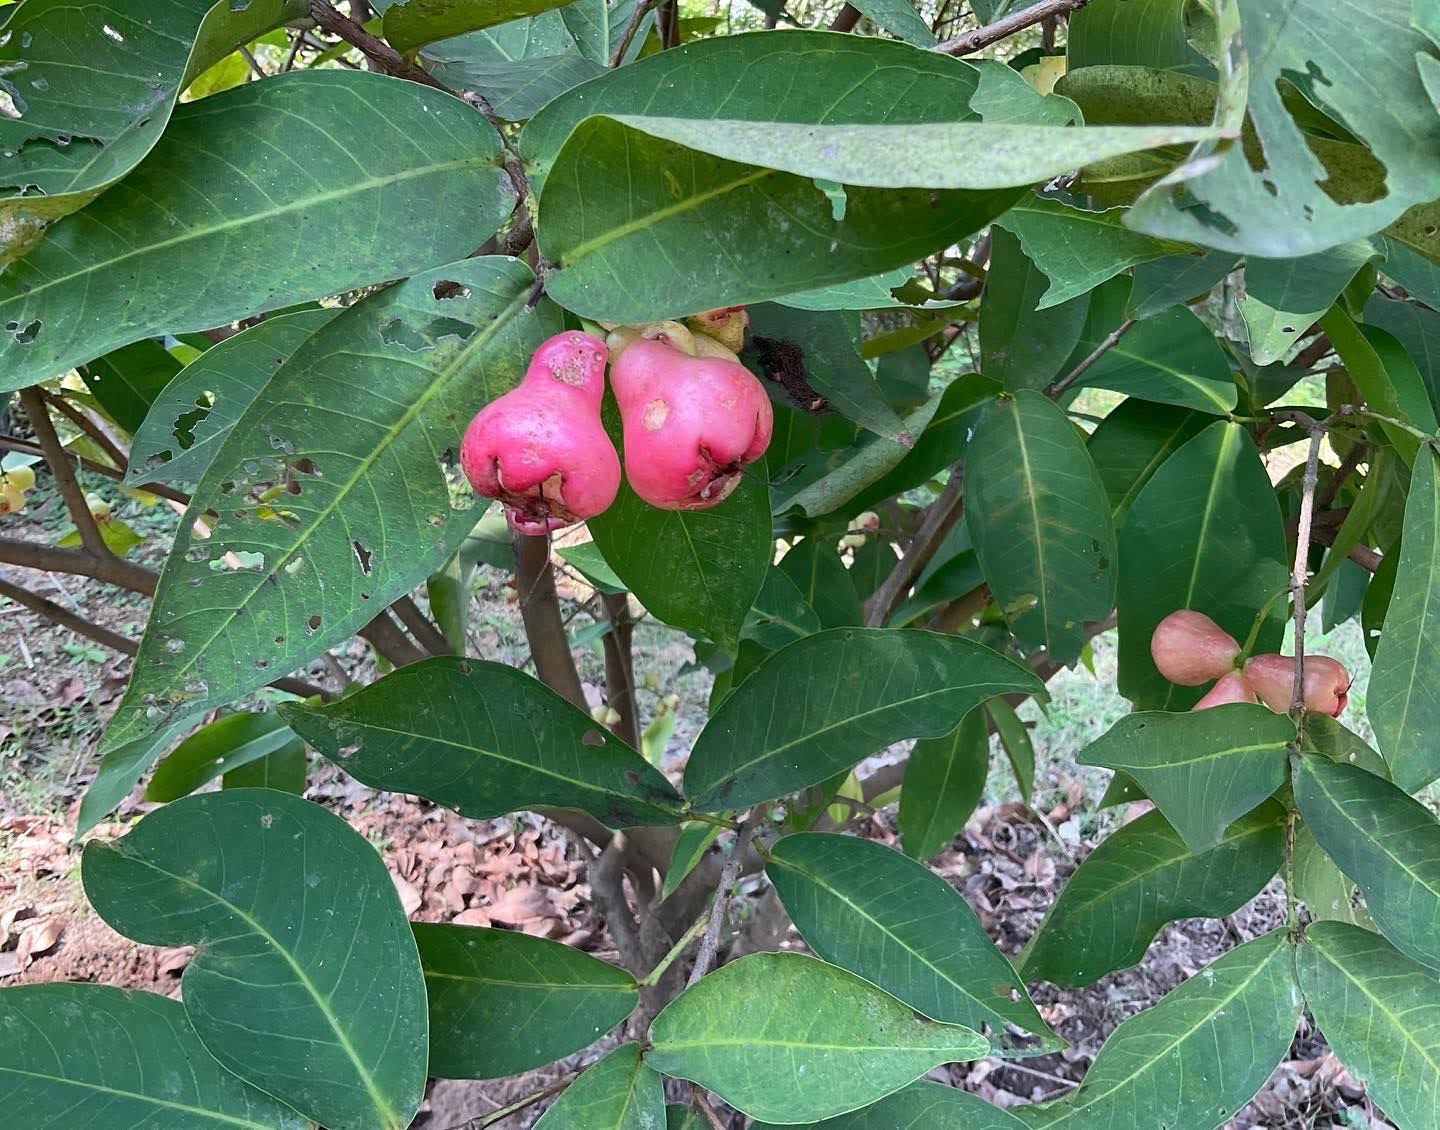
188	421
484	739
790	1038
875	912
824	702
549	999
306	979
76	1055
171	248
329	489
126	381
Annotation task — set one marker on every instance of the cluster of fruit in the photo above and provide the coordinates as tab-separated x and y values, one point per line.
692	416
13	485
1189	649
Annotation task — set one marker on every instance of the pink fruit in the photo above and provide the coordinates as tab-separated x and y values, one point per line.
726	325
691	423
1189	648
1326	683
540	449
1231	688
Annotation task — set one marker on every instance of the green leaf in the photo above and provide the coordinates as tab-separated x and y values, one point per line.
76	1055
814	565
1330	737
1172	358
694	841
871	910
922	1105
285	769
1296	199
1285	297
1141	877
412	24
1021	346
121	768
520	743
780	615
550	1000
1040	521
775	1035
223	745
1196	1056
1403	702
1014	736
1204	533
1386	841
1417	328
412	182
591	564
871	293
944	780
619	1092
1161	283
188	421
825	702
1380	1012
641	228
1203	770
1076	248
1324	889
694	569
900	19
975	156
126	381
1114	31
335	510
92	103
826	344
308	948
1377	599
1387	379
1133	442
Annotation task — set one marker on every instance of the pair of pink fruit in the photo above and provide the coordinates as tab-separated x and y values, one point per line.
1189	648
693	418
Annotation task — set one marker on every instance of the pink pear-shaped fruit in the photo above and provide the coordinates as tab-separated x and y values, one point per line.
1189	648
691	423
1326	683
1231	687
540	448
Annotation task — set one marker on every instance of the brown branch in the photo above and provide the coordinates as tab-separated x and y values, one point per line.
641	10
1353	458
707	1111
1056	389
10	443
607	885
59	614
724	891
59	461
981	37
385	636
846	18
86	425
540	611
377	50
426	634
1300	574
940	519
1312	352
619	666
950	617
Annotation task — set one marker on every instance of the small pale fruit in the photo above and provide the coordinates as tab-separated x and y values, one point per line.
12	499
1231	687
1326	682
1189	648
21	478
727	325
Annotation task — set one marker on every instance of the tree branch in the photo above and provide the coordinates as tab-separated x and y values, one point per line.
426	634
59	461
385	636
82	563
381	53
94	431
619	666
59	614
940	519
540	611
1056	389
724	892
972	41
1300	574
846	18
641	9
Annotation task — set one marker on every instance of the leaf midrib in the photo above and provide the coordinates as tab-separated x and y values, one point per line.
138	1096
537	985
1406	1032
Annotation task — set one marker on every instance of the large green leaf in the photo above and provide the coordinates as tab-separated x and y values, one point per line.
778	1036
922	1105
1141	877
899	18
1380	1012
814	565
944	780
126	381
1133	442
1151	32
693	569
411	182
1161	283
1204	533
330	491
1040	522
74	1055
484	739
1203	770
1387	378
414	23
620	1092
121	768
824	702
1417	328
1328	894
188	421
549	999
99	83
1403	700
1172	358
1281	198
306	980
1021	346
780	614
875	912
225	744
1196	1056
1386	841
1284	297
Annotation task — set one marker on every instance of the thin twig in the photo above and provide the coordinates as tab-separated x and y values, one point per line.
86	425
59	614
59	460
381	53
981	37
724	892
708	1112
642	9
940	519
426	634
1299	575
255	68
518	1105
653	977
1055	390
1353	458
620	667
